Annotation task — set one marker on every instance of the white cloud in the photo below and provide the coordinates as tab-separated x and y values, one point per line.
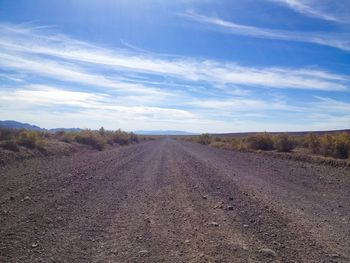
70	73
329	105
30	50
319	9
340	41
241	105
116	88
38	104
41	95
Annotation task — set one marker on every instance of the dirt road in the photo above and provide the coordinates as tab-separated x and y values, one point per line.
170	201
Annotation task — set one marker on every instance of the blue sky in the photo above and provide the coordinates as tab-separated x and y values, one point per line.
195	65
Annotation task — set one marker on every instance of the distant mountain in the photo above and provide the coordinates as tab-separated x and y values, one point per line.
160	132
66	129
26	126
19	125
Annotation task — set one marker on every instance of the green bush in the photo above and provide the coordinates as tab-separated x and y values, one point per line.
261	141
204	139
284	143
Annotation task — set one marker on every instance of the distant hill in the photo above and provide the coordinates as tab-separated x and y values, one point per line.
66	129
160	132
19	125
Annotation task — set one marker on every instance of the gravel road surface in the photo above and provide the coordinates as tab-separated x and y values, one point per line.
171	201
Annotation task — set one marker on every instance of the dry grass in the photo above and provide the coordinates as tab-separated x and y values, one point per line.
13	139
335	145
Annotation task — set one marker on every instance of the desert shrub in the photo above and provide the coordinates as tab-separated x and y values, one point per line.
238	144
262	141
68	137
99	139
218	144
312	142
8	134
341	146
10	145
326	145
102	132
60	135
337	145
218	139
133	138
89	137
46	135
204	139
284	143
121	137
299	141
28	139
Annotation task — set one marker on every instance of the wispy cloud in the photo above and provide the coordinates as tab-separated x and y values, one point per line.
314	8
331	105
38	104
72	81
340	41
64	58
42	95
68	72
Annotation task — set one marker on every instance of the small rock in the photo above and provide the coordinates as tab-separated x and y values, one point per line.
187	241
59	218
333	255
34	245
214	224
268	252
143	251
245	226
205	197
12	198
230	198
27	198
219	205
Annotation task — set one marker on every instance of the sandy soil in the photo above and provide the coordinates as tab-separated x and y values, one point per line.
171	201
